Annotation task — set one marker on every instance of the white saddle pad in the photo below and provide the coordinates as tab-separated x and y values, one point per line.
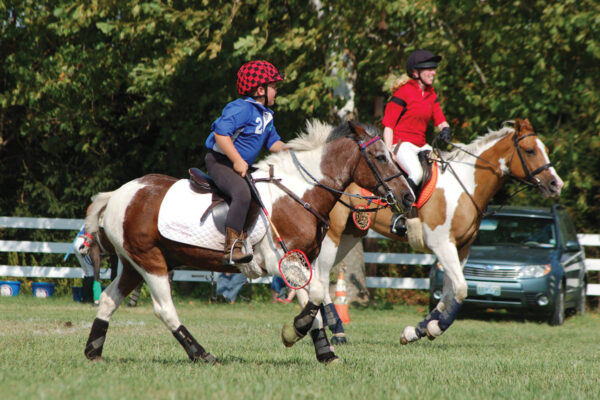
179	219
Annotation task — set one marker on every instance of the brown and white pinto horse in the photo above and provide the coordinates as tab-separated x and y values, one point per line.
450	219
129	216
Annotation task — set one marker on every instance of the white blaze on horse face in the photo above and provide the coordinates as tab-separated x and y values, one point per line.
542	148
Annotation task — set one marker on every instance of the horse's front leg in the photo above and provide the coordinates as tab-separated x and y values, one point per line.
310	320
454	292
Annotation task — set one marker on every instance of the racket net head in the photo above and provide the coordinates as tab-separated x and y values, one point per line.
295	269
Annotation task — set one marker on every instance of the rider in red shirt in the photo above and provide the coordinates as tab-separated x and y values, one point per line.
407	115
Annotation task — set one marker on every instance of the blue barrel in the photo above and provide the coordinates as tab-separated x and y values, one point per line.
77	294
10	288
42	289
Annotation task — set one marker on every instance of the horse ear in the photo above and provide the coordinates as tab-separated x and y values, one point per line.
356	129
523	125
517	124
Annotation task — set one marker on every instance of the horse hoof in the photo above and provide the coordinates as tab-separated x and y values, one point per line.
409	335
289	336
210	359
339	339
333	361
98	359
329	359
433	330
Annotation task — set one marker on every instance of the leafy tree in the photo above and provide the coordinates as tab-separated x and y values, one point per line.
95	93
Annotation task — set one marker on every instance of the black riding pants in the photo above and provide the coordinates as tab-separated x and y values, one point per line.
220	169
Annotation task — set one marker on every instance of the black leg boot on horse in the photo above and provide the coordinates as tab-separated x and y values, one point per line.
193	349
323	348
95	343
302	325
234	252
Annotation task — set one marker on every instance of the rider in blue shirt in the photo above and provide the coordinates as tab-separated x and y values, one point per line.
236	139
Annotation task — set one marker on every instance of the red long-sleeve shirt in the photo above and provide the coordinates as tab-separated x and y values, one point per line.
421	107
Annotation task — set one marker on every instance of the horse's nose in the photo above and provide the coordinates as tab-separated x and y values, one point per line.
408	199
557	184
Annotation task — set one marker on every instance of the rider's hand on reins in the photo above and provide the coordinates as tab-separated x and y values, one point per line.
241	167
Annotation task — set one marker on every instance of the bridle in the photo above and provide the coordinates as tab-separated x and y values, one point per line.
389	197
324	221
530	178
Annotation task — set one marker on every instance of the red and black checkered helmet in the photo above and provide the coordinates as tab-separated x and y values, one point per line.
254	74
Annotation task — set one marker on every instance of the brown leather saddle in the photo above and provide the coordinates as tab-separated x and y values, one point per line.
200	182
426	163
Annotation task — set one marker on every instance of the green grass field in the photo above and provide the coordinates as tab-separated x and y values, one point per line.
42	342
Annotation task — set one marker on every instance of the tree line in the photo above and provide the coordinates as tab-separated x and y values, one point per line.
93	94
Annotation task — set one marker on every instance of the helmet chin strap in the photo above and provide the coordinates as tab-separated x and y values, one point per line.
264	96
419	78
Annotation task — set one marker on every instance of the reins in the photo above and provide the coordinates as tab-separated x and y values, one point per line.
341	193
324	221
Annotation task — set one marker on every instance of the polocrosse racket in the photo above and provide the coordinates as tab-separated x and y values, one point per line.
294	267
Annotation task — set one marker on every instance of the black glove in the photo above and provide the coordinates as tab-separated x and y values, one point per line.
445	135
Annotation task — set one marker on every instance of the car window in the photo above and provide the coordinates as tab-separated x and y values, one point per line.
567	228
516	231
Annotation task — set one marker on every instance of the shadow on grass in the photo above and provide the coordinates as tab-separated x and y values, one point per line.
223	360
491	315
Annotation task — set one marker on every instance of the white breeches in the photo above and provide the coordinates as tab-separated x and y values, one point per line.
407	158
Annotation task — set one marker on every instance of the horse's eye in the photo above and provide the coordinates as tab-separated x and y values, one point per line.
381	158
530	151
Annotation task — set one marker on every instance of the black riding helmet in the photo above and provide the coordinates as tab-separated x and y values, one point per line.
421	59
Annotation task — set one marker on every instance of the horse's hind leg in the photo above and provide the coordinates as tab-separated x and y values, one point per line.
454	292
160	288
110	300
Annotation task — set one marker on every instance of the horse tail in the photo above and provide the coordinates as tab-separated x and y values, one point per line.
95	211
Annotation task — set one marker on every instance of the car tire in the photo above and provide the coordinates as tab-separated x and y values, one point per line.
557	317
580	308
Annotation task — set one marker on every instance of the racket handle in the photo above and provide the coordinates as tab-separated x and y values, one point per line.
264	209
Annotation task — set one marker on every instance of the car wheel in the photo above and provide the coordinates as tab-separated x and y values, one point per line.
581	299
557	317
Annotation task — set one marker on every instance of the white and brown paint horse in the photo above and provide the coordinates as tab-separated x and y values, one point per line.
450	219
129	216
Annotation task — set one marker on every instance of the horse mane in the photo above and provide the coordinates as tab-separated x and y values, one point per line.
476	145
315	135
343	129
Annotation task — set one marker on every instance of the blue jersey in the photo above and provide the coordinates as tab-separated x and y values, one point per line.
250	126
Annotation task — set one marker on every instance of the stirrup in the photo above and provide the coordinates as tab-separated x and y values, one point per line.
398	225
228	258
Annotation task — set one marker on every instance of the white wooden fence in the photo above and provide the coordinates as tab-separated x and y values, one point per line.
74	225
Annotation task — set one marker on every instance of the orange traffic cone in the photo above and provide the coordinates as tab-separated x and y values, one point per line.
341	302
